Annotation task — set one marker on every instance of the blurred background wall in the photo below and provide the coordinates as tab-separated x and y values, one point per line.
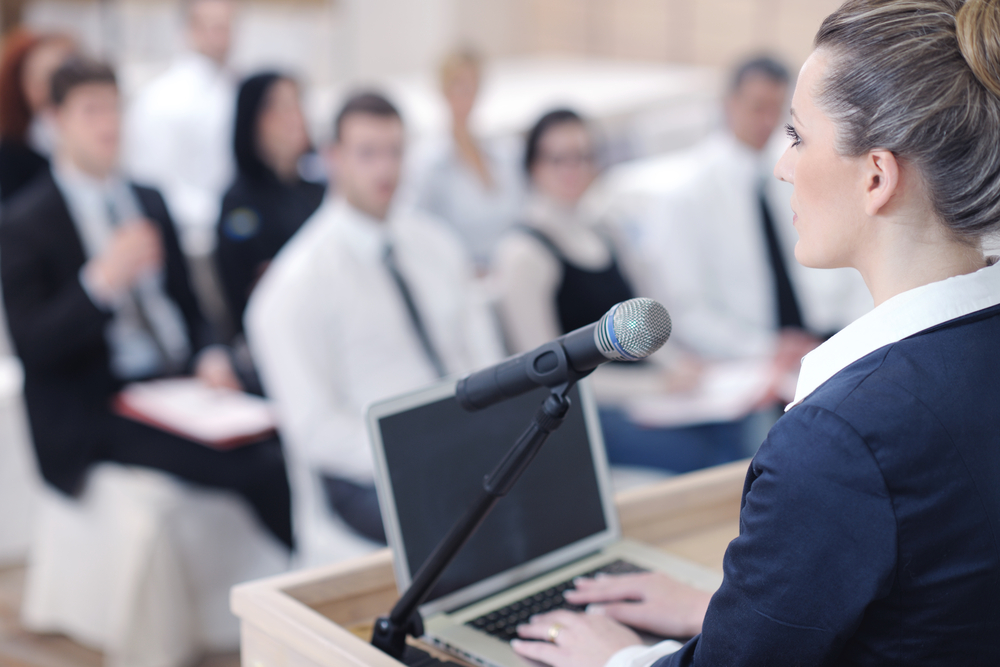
341	40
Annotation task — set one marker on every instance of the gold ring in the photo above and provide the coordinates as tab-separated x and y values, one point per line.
554	632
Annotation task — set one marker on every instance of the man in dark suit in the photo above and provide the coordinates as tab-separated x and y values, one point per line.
97	295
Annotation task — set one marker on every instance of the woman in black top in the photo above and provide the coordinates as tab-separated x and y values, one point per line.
270	198
26	66
559	271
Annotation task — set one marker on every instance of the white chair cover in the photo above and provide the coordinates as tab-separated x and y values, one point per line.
19	480
140	566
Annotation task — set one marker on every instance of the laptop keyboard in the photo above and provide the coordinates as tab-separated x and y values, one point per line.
503	623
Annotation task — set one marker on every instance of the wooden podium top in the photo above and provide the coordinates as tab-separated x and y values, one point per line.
301	619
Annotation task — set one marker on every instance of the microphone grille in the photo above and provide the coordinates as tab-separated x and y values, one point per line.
633	330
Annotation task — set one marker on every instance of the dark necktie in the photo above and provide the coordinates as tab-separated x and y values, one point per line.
389	258
789	314
139	307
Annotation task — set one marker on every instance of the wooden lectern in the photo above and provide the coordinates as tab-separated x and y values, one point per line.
302	619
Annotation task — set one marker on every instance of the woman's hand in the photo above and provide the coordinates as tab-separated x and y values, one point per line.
567	639
653	602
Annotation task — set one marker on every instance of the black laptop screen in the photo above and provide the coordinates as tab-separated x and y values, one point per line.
437	456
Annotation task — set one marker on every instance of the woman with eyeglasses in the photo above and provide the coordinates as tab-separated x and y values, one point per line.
560	270
557	270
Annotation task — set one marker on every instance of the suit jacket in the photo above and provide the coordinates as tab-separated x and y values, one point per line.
870	521
58	331
20	164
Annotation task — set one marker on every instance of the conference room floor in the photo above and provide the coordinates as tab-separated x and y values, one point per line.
20	648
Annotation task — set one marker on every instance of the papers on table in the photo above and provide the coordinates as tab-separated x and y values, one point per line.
726	391
218	418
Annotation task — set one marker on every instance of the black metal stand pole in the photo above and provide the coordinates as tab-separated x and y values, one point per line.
391	631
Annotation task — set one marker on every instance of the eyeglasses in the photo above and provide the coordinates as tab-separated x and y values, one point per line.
575	159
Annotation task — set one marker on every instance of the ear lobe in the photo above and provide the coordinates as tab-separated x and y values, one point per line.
881	180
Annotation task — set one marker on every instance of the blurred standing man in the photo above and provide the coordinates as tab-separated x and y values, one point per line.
721	242
363	303
178	132
97	295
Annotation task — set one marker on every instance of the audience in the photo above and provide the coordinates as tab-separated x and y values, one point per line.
26	136
471	184
97	295
179	128
723	256
557	271
269	200
560	271
364	303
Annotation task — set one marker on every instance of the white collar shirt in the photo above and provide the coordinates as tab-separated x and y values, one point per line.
178	137
447	187
330	331
897	318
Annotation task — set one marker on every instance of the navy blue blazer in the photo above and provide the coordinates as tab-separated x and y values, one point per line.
870	520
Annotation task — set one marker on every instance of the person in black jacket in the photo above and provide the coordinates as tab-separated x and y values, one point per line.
270	198
97	295
25	68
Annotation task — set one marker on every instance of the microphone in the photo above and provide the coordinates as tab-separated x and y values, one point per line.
632	330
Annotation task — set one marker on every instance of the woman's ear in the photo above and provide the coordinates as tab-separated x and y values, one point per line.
881	180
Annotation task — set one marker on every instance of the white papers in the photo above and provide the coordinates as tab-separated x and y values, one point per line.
219	418
727	391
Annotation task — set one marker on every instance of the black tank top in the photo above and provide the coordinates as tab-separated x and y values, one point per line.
584	296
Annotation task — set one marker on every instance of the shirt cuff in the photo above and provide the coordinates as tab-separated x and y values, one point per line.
643	656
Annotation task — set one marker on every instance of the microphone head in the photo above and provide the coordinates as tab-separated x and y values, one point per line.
633	330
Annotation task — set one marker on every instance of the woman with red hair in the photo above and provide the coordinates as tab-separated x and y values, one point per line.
26	65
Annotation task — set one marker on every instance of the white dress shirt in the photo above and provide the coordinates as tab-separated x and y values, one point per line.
330	332
703	247
178	137
450	189
897	318
135	353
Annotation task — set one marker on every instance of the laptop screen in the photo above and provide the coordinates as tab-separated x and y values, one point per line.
436	455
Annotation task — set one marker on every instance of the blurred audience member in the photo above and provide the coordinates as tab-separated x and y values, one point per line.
722	243
557	271
179	128
560	271
473	185
363	303
26	136
269	200
97	295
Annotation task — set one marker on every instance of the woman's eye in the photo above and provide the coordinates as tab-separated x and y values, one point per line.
793	135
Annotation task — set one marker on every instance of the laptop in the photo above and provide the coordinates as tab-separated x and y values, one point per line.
559	522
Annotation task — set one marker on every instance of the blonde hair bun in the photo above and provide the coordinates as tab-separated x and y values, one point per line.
978	27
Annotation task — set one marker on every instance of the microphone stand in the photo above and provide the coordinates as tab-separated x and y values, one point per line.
391	631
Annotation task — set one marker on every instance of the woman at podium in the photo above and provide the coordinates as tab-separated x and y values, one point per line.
870	520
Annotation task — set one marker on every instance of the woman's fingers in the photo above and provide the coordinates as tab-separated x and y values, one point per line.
609	589
550	654
547	627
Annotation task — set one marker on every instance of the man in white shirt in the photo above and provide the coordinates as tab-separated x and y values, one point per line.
363	303
719	243
178	133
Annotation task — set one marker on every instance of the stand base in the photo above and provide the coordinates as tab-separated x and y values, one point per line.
414	657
